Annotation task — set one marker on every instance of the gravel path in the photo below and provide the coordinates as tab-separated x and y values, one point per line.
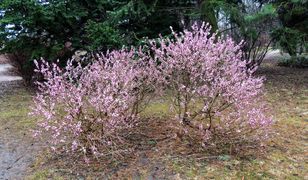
17	149
14	146
275	55
6	74
17	153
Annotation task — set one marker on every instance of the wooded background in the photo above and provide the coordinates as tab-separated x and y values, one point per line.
55	29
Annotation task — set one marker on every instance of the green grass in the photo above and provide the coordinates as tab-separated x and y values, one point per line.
14	110
44	174
157	109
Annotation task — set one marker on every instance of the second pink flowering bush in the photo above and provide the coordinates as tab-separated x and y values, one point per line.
213	94
90	109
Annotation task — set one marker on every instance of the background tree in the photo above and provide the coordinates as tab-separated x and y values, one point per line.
30	29
51	29
292	35
248	20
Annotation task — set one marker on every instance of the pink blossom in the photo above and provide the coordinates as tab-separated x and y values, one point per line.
210	84
81	107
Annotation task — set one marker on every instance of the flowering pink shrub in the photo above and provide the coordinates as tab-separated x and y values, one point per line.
213	93
88	109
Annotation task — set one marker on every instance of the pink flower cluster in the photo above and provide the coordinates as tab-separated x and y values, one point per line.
87	108
212	90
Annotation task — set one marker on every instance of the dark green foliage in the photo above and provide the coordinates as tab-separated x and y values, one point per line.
54	29
290	40
31	29
208	13
293	14
292	35
102	36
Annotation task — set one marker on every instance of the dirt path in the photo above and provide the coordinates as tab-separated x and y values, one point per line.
6	74
17	149
17	153
275	55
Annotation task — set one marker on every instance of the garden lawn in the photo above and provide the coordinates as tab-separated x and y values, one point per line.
159	155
